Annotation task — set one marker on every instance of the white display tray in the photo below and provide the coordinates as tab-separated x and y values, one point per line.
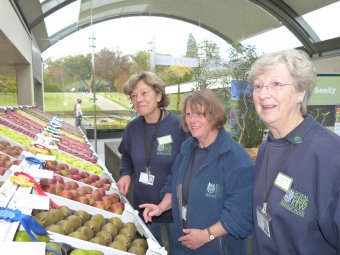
129	215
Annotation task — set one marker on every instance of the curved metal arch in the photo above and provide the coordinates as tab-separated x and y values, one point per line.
292	21
69	30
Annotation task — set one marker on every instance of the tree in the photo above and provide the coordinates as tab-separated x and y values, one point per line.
210	66
112	66
224	75
192	49
241	57
8	84
141	62
62	73
176	75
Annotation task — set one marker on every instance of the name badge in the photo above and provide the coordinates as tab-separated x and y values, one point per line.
184	213
164	139
263	220
147	179
283	182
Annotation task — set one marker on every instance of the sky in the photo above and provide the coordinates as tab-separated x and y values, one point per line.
170	37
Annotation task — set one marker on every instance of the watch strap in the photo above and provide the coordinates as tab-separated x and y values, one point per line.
211	236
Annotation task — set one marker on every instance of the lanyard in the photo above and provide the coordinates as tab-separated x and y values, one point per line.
188	184
153	138
282	166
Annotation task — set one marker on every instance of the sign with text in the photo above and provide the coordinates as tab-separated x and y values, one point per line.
326	90
176	61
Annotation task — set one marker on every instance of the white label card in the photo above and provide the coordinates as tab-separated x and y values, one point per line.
283	182
44	157
184	212
32	201
164	139
39	173
146	178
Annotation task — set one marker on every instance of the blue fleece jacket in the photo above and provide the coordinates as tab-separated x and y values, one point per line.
221	191
162	157
305	220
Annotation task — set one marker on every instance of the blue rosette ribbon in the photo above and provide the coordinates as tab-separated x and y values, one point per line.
35	161
30	225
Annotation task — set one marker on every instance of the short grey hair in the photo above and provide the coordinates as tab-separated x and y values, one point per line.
299	65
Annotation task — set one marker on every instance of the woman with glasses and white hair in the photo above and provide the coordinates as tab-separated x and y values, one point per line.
296	205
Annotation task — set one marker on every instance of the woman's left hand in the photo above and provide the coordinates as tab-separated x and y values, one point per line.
194	238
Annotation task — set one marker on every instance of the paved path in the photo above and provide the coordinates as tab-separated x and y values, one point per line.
105	104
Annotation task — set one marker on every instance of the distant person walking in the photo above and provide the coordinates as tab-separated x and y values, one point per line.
78	112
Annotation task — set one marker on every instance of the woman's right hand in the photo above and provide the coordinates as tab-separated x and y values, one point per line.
123	184
150	210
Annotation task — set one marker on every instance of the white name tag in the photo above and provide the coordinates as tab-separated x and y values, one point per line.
164	139
147	179
283	182
184	212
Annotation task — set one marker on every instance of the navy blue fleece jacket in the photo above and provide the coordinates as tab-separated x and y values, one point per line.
162	157
221	191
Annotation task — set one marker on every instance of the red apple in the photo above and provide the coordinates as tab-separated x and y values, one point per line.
67	194
99	204
49	188
117	208
98	184
84	174
97	195
85	180
17	162
51	181
107	201
106	180
62	166
94	178
84	190
2	171
113	197
71	185
75	177
83	199
73	171
75	193
102	191
7	164
107	187
59	187
58	178
90	197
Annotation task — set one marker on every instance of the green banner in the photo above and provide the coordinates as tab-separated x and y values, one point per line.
326	91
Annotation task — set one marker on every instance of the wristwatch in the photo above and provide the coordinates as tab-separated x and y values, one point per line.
211	236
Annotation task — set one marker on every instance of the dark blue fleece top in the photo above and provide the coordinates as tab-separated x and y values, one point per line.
306	220
220	191
162	157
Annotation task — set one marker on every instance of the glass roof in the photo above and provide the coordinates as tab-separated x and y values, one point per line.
320	24
325	21
62	18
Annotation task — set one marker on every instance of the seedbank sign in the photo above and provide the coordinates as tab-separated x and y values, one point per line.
326	90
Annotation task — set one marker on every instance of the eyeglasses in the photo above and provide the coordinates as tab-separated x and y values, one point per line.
272	86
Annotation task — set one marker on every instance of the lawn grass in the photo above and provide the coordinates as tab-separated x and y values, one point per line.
117	97
124	100
8	99
64	102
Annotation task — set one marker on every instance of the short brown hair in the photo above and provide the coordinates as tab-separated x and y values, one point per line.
152	80
213	108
